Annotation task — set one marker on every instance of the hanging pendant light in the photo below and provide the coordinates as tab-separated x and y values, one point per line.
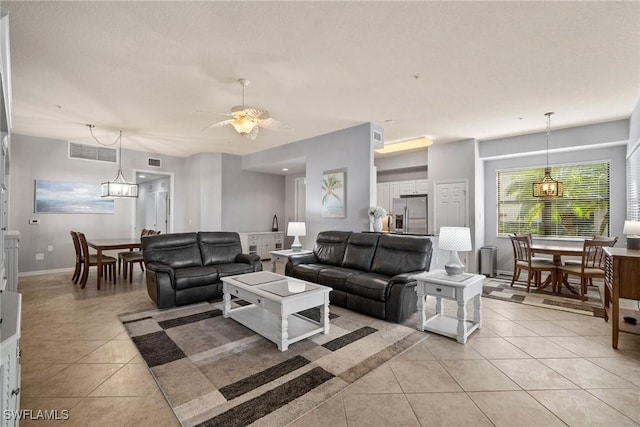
119	187
548	187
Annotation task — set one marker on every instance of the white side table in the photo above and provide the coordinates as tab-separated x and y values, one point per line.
283	256
457	288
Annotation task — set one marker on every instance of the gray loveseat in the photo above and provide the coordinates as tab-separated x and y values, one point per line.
184	268
369	273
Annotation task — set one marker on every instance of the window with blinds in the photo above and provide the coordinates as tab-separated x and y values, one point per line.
633	185
583	211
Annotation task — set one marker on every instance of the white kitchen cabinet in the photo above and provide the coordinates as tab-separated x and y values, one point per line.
422	186
262	242
418	186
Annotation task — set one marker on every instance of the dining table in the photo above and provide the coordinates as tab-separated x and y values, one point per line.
101	245
557	251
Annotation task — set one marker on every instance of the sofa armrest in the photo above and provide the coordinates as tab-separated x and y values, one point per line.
159	267
303	259
160	284
405	278
251	259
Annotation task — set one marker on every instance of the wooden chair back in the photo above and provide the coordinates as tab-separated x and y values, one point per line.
521	248
85	248
76	246
593	255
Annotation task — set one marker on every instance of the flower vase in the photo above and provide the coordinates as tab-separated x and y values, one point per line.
377	224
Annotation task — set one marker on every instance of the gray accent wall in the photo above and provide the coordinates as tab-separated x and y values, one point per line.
349	149
198	198
599	142
244	214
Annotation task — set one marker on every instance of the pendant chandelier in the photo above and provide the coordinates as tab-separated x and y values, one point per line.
118	187
548	187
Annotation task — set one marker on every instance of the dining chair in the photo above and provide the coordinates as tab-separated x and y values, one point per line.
129	254
592	264
131	257
89	260
522	260
79	260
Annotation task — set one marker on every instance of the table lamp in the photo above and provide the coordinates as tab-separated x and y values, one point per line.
632	230
296	229
454	239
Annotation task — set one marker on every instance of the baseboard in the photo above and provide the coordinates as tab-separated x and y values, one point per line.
39	272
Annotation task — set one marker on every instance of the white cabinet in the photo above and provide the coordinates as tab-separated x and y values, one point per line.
387	191
422	186
11	241
9	353
262	242
10	302
418	186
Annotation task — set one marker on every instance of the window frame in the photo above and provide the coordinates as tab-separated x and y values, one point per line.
534	227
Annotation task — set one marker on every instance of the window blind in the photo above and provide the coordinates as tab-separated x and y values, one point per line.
583	211
633	185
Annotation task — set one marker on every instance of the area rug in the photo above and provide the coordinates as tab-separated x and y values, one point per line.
216	372
499	288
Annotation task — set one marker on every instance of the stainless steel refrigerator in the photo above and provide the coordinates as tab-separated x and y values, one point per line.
410	214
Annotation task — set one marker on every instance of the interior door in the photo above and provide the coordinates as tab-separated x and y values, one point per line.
451	205
162	211
150	211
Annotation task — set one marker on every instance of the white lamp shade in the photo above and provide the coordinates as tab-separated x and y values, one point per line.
455	239
296	229
631	228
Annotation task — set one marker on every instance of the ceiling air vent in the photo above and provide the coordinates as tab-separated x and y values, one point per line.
156	163
376	136
92	152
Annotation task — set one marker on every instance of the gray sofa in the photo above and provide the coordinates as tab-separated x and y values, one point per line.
184	268
370	273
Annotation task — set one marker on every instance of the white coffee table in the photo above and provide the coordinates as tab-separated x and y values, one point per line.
275	301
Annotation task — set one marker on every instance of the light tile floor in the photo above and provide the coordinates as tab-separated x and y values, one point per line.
526	366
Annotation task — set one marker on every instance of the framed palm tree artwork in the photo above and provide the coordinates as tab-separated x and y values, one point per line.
334	185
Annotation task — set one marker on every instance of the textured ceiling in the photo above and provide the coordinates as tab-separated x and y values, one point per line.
163	71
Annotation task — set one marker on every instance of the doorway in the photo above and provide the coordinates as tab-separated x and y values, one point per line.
154	209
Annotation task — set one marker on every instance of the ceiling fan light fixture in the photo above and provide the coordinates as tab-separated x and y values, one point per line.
243	124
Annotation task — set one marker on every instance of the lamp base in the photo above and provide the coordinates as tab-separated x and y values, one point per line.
633	242
296	246
454	267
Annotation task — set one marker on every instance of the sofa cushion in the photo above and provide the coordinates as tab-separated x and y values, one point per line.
308	272
233	268
360	250
177	250
401	254
330	247
336	277
192	277
219	247
369	285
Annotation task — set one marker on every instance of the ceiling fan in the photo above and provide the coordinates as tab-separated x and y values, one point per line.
246	120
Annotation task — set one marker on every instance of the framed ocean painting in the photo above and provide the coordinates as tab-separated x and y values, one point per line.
334	193
71	198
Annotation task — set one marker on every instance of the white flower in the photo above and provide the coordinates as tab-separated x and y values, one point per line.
377	212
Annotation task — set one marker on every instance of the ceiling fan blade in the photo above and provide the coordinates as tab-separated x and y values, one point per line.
219	124
272	124
254	133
